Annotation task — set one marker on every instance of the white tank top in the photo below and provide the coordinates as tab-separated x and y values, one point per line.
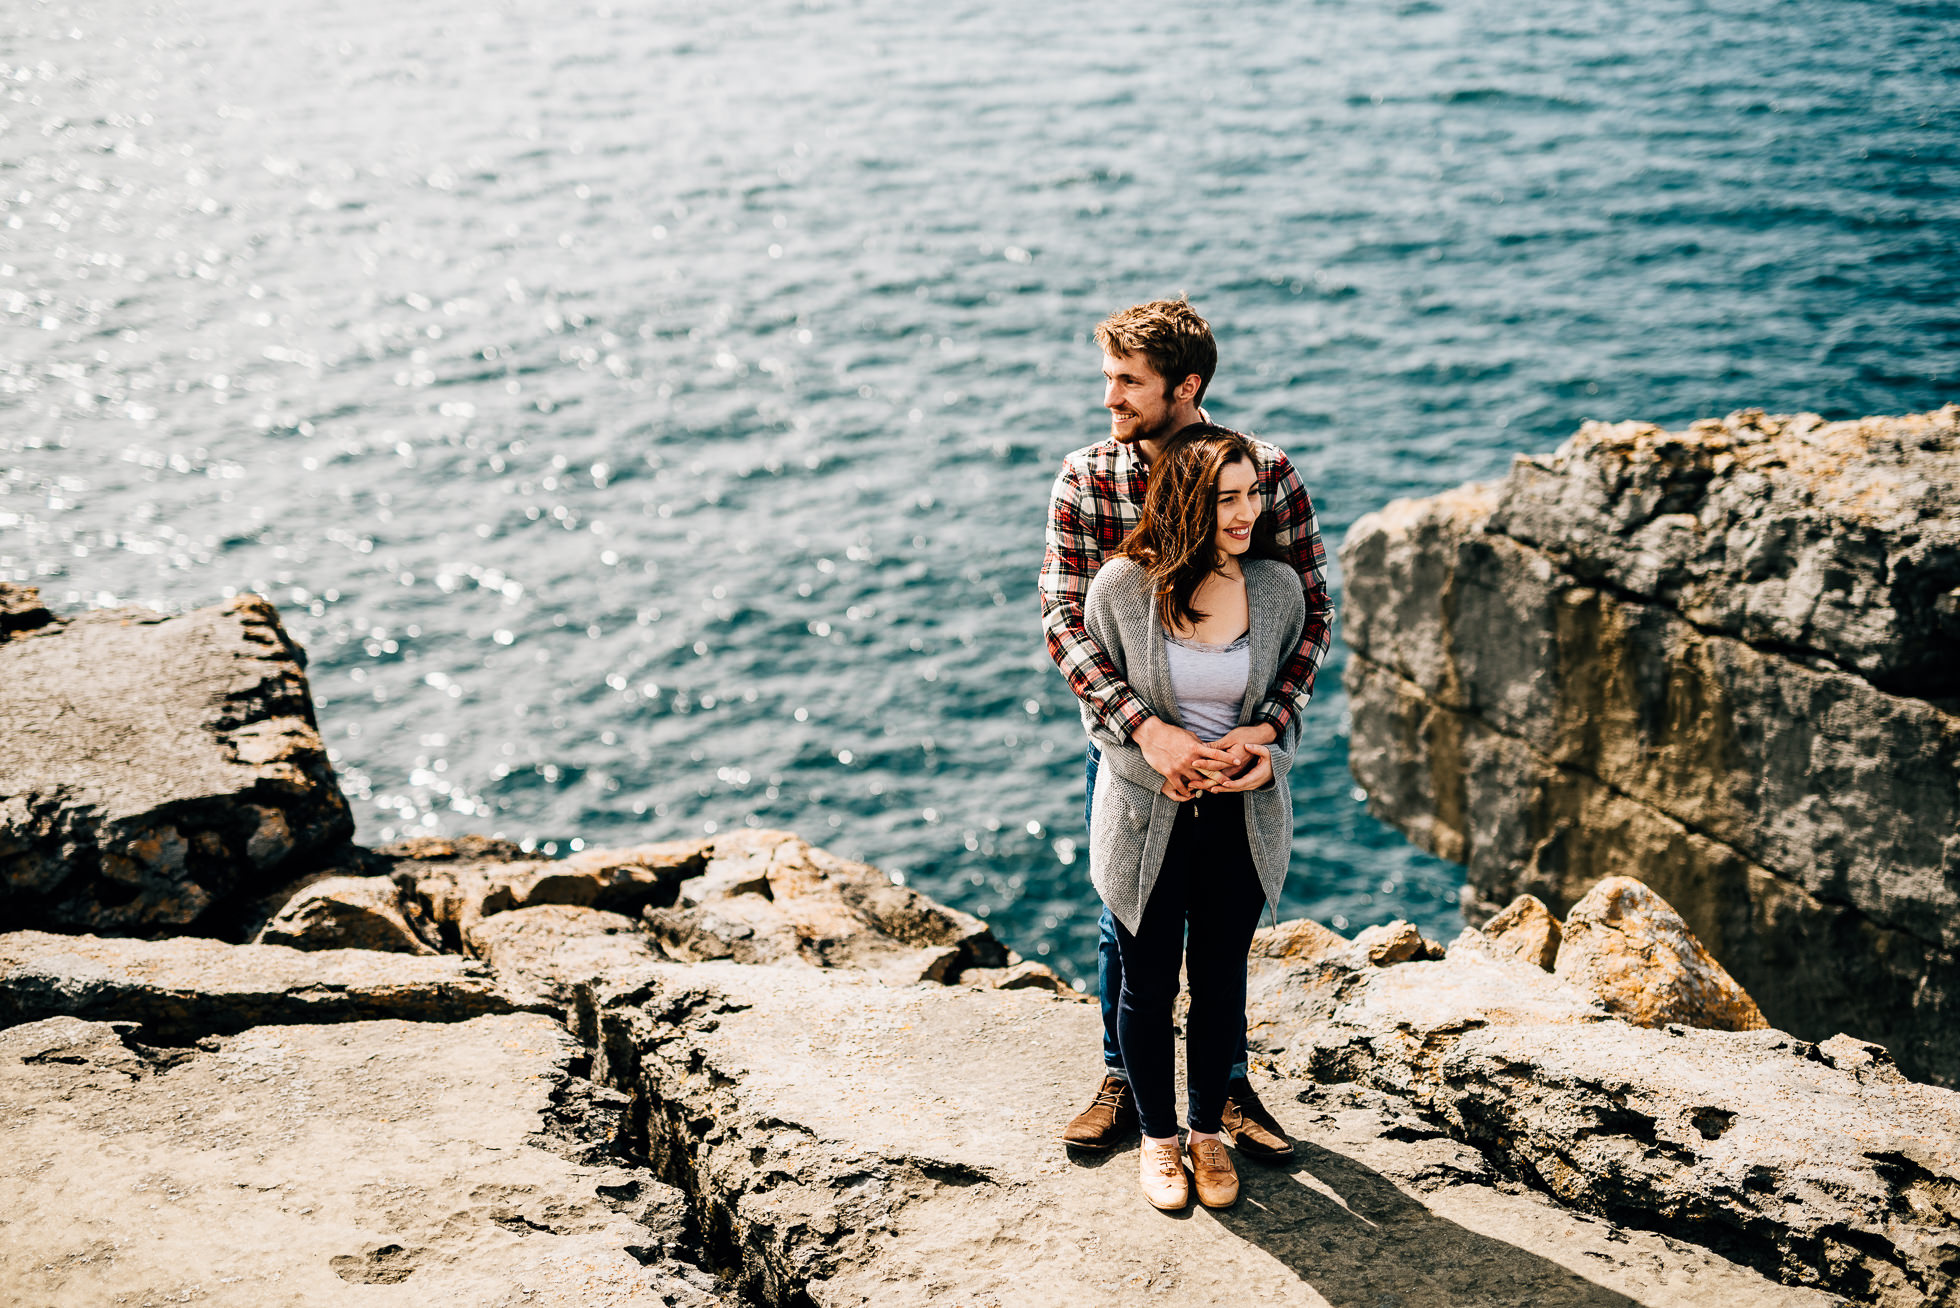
1209	682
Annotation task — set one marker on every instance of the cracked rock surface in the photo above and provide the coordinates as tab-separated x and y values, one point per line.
184	988
153	769
379	1162
1718	660
852	1142
1819	1165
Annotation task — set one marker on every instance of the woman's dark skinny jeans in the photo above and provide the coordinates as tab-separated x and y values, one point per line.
1109	965
1209	888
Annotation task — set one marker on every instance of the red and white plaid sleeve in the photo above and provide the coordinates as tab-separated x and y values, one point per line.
1297	533
1078	523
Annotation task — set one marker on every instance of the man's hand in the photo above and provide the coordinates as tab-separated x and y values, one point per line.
1180	756
1237	745
1253	778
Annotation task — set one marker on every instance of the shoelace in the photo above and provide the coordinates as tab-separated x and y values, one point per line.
1208	1153
1167	1162
1109	1098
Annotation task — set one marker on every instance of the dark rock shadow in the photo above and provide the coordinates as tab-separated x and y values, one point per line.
1379	1248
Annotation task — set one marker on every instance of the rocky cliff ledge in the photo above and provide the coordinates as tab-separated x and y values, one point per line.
746	1071
1724	660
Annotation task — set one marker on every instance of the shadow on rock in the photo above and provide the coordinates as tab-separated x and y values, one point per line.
1361	1242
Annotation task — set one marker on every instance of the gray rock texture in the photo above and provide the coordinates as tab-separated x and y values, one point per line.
1817	1164
1721	661
770	897
825	1128
456	884
549	950
347	912
154	768
380	1162
851	1142
184	988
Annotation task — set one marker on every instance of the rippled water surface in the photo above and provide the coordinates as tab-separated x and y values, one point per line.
644	414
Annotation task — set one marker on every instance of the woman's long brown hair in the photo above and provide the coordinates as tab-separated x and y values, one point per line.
1176	538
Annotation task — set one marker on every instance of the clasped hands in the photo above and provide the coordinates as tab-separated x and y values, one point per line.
1237	761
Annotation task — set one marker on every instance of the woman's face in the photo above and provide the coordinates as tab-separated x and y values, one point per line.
1238	507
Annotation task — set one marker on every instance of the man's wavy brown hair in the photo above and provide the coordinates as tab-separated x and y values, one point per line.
1170	334
1176	538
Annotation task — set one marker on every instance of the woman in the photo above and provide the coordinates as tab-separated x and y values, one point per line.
1198	611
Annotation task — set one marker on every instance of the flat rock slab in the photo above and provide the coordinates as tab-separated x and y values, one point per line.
860	1143
366	1163
187	987
1821	1165
155	769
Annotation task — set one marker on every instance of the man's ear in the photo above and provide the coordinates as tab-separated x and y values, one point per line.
1187	390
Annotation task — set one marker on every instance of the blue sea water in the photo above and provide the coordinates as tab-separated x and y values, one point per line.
644	413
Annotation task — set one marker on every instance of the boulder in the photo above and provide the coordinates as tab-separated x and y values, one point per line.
848	1142
1815	1164
155	769
1025	975
770	897
379	1161
1526	929
21	610
345	913
1625	944
184	988
547	951
475	879
1717	660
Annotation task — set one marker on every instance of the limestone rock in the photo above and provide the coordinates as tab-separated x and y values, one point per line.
345	913
1627	946
1800	1162
1394	942
770	897
21	609
548	950
184	988
455	849
1025	975
1526	929
383	1160
858	1143
154	769
1714	660
476	879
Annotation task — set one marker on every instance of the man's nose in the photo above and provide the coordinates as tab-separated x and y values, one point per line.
1110	398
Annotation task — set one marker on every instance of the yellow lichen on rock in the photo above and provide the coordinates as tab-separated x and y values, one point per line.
1627	945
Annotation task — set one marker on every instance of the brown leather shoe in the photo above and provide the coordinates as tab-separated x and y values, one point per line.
1109	1120
1250	1128
1211	1167
1160	1171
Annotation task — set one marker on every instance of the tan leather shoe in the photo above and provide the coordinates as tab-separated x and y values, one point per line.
1218	1181
1109	1120
1160	1171
1250	1128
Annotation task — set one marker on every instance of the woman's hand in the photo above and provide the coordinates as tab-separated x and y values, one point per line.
1259	774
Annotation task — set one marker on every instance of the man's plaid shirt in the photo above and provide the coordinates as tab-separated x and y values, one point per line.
1097	499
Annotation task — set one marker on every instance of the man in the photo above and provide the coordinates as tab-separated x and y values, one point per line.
1158	360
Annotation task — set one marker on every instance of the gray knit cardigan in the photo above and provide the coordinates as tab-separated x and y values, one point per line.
1132	817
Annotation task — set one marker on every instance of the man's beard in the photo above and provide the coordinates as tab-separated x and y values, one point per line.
1161	428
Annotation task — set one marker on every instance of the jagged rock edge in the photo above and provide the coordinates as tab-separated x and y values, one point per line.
1568	769
1721	1230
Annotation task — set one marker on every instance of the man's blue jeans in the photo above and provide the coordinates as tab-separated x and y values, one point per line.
1109	964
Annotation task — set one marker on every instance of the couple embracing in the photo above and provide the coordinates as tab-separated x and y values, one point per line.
1184	597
